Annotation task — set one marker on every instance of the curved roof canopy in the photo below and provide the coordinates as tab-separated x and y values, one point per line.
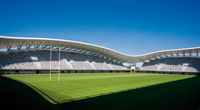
46	43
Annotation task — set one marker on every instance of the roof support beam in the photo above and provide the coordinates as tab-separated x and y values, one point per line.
19	47
9	46
63	48
44	46
59	47
51	47
36	46
158	57
28	46
165	55
118	61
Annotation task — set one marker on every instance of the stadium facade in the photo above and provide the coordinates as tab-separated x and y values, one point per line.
40	55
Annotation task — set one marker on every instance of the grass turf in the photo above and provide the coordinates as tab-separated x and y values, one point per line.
81	86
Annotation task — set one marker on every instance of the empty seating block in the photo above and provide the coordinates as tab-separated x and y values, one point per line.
41	60
179	64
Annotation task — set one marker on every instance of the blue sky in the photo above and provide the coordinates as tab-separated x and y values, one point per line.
128	26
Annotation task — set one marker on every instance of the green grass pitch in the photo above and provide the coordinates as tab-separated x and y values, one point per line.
81	86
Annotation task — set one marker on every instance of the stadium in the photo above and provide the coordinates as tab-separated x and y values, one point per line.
43	55
77	75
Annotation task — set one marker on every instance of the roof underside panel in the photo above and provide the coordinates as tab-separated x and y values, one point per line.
21	41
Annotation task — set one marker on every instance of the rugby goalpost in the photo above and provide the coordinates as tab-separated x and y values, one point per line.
50	71
50	64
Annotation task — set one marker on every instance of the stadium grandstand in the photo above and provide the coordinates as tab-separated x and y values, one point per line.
172	65
42	55
173	61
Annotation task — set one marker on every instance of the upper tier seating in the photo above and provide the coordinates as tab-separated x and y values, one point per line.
40	60
179	64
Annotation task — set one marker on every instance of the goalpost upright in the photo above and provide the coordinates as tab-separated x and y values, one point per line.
50	64
50	72
59	65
